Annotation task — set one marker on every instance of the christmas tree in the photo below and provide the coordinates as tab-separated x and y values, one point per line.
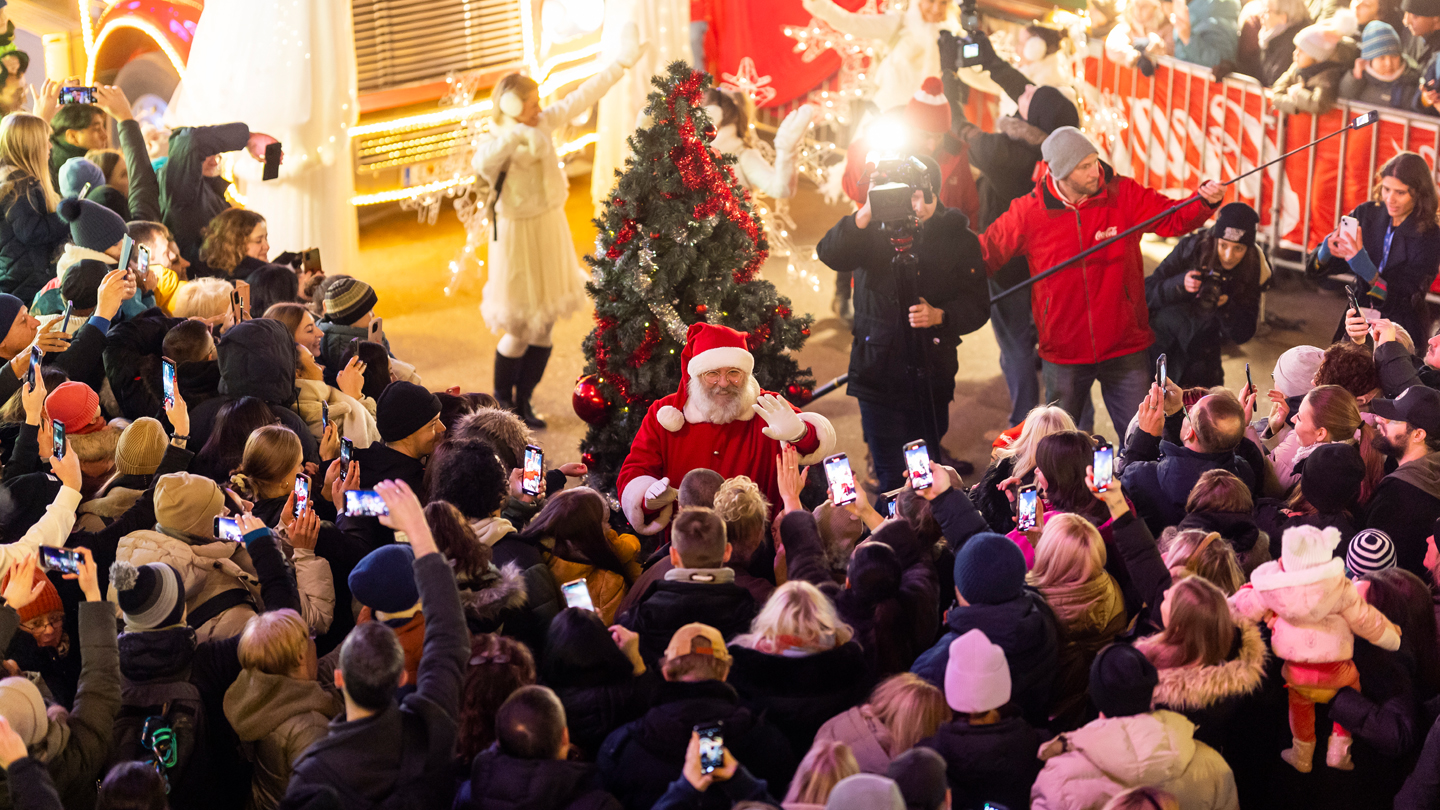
679	243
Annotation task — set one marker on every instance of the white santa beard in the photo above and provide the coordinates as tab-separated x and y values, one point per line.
701	406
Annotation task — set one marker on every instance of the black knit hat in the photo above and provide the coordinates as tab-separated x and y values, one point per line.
989	569
347	300
920	773
1422	8
82	282
404	408
1050	109
1331	477
1236	223
151	596
92	225
1122	681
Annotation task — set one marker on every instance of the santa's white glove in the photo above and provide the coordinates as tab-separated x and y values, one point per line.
659	495
631	48
792	129
785	425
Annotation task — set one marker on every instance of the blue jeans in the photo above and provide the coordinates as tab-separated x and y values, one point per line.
1124	381
1014	326
888	428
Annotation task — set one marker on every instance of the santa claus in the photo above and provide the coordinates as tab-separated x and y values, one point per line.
710	423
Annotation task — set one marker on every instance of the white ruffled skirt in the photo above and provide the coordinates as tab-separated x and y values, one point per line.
535	276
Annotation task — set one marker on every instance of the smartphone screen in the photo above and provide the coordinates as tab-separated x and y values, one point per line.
577	595
273	154
228	529
32	373
142	262
534	469
63	560
57	444
1161	372
917	462
1104	467
65	325
167	379
302	493
324	415
77	95
365	502
841	479
712	747
347	447
1027	503
1365	119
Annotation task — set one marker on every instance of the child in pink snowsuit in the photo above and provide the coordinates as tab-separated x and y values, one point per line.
1314	614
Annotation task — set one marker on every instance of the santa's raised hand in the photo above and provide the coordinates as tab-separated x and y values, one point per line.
784	422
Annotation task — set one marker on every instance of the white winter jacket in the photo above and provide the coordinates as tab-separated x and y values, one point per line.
50	530
535	182
907	41
1085	768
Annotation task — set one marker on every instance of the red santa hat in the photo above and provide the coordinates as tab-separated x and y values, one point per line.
707	347
929	110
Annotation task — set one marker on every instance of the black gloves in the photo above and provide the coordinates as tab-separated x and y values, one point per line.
949	53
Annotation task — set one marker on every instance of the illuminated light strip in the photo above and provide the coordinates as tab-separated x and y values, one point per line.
425	121
573	56
380	144
139	25
564	77
527	36
579	143
408	193
88	35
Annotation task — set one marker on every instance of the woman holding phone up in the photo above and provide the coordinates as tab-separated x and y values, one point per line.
1393	247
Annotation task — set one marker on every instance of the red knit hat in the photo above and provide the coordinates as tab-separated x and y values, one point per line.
48	602
77	406
929	110
707	347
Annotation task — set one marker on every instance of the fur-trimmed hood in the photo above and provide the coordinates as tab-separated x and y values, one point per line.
500	590
1018	129
1191	688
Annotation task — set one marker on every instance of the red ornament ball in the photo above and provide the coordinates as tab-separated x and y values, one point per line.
587	458
701	309
708	132
589	401
798	395
805	330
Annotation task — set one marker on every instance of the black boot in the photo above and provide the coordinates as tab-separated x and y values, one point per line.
532	368
507	372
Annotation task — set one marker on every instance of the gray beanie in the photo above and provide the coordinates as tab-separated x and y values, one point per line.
76	172
1064	148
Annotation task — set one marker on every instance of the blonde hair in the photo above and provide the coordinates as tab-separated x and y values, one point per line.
271	455
827	762
910	708
744	509
1204	554
1071	552
1039	423
274	642
1199	631
797	609
225	238
202	298
517	83
24	155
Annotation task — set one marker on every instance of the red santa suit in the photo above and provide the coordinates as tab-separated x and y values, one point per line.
675	437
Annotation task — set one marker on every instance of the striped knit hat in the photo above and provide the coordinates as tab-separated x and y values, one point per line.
151	596
1371	550
1379	40
347	300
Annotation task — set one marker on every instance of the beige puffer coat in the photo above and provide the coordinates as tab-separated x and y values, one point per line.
355	418
277	718
207	567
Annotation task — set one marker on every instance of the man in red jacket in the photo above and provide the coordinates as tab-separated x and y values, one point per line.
1091	316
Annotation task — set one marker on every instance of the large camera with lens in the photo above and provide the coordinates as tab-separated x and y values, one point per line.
969	44
1213	280
892	186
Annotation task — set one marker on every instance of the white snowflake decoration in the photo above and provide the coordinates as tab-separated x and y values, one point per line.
746	80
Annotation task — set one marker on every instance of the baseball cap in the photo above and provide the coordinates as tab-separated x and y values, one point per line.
1419	405
697	639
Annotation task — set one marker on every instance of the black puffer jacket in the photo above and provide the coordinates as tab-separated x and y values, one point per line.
1158	477
1214	696
30	239
887	356
188	199
798	694
669	605
994	763
640	759
592	712
500	782
257	359
132	363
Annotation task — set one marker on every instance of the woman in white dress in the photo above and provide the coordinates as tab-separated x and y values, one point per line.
732	112
535	276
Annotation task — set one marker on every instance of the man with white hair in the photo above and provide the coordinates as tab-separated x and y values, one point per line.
710	422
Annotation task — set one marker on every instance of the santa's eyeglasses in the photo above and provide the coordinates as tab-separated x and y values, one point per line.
734	376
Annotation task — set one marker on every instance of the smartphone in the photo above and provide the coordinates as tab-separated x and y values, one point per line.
324	415
273	154
57	443
127	252
32	372
347	448
228	529
64	560
1026	504
1104	467
235	307
1161	372
1350	226
712	747
167	380
1249	381
1354	301
311	262
534	469
1365	119
841	479
917	462
142	262
577	595
302	493
242	289
85	191
78	95
365	502
65	325
377	330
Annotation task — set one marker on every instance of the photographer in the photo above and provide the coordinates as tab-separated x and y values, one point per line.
908	321
1091	315
1008	158
1207	293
